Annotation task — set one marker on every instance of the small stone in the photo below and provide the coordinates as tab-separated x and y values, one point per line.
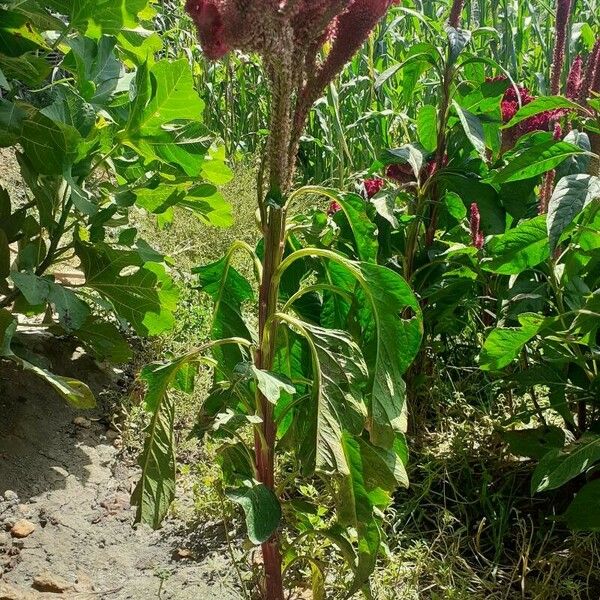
4	539
47	582
22	529
9	592
112	435
11	496
82	422
183	554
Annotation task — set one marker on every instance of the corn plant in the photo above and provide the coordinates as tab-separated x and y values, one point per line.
319	382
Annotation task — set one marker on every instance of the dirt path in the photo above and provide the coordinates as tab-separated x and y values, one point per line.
62	475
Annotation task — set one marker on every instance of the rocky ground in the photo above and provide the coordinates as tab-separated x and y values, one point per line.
65	519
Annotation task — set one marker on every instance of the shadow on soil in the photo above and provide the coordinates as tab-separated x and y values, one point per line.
39	444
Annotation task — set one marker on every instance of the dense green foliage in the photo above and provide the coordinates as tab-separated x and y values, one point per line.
462	234
100	128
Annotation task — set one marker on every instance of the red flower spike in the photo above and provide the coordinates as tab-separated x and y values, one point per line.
373	186
455	12
575	79
563	14
477	238
590	72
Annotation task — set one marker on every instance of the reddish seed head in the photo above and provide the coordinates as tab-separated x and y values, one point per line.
209	21
575	79
400	173
334	207
477	238
373	186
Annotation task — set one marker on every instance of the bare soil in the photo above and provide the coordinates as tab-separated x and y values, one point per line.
67	476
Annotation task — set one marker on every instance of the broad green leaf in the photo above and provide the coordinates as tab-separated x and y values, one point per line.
11	122
95	66
571	195
155	491
534	443
174	98
261	507
558	467
229	291
208	205
583	513
94	17
73	391
50	146
336	405
363	228
271	384
503	345
29	69
427	124
140	292
102	339
72	311
473	129
535	160
540	105
521	248
70	108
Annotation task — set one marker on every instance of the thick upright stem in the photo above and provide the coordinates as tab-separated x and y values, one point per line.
274	239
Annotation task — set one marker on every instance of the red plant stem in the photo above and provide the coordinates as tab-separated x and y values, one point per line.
274	232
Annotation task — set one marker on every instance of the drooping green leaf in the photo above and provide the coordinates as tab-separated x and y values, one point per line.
427	127
473	129
77	393
392	337
457	42
558	467
583	513
72	311
503	345
271	384
535	160
229	291
104	340
155	490
261	507
363	228
534	443
518	249
540	105
338	373
571	195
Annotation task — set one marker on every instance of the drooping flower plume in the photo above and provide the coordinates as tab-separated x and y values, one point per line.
455	12
289	35
591	70
575	79
563	14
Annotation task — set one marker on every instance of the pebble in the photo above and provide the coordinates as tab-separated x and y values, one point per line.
11	496
48	582
22	529
82	422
